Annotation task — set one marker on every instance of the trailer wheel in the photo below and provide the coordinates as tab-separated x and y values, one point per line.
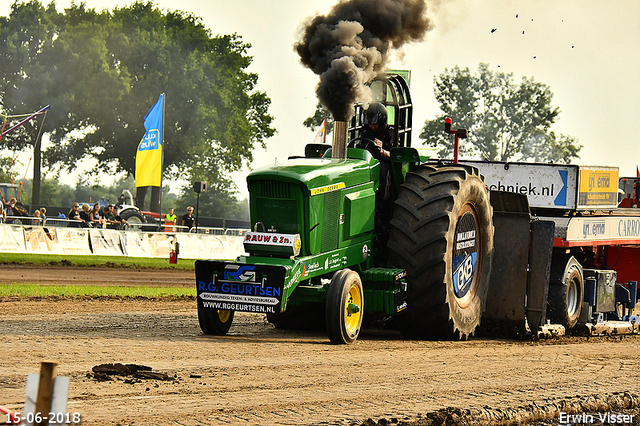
566	295
345	303
214	321
442	234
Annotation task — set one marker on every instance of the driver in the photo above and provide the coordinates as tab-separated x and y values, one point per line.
385	137
379	131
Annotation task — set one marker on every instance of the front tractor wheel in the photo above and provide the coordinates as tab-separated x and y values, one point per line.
214	321
344	309
442	234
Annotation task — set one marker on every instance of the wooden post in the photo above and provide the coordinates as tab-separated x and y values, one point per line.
45	390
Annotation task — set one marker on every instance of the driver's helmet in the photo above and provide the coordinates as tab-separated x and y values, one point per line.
376	113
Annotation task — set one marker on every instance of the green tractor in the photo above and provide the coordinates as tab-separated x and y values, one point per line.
325	251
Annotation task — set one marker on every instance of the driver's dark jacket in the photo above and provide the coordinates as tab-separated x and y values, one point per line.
388	136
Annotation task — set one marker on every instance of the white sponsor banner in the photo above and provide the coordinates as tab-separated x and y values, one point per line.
105	242
223	247
190	246
73	240
216	247
159	244
609	228
109	242
135	244
207	246
235	244
41	240
11	239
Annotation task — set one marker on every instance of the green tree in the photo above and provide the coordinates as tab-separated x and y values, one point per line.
214	203
315	121
506	121
6	164
102	71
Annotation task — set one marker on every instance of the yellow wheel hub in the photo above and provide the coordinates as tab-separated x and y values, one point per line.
353	309
224	316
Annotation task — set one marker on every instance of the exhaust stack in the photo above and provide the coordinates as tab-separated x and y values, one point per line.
339	146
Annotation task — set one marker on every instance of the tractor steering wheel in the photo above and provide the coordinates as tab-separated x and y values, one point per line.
364	143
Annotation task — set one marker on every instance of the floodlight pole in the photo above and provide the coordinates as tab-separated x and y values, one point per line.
197	210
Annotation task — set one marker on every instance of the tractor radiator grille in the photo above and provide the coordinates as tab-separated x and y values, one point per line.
279	214
330	221
276	206
275	189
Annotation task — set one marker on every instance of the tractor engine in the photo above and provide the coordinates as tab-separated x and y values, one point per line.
327	203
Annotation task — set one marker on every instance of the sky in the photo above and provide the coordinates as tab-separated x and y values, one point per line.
586	51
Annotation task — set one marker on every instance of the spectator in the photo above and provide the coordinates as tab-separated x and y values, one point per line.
170	221
74	214
94	216
3	214
10	205
84	216
19	210
119	219
188	219
108	216
43	218
36	221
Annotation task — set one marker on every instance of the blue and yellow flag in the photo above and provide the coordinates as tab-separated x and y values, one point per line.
149	155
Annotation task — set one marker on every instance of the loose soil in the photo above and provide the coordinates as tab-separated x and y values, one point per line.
259	375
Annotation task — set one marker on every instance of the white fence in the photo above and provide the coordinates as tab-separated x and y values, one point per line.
205	244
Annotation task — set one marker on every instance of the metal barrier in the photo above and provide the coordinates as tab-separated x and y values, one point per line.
142	227
218	231
174	228
206	230
23	220
58	222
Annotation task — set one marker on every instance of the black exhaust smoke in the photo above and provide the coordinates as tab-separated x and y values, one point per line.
349	46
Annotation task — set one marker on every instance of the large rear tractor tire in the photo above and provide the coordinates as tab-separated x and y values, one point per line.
214	321
442	234
566	292
344	309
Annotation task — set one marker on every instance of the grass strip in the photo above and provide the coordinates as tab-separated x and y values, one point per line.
98	261
82	291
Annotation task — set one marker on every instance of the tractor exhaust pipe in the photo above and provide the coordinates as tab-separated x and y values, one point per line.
339	146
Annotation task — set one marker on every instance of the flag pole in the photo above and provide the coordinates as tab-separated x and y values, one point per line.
324	131
163	148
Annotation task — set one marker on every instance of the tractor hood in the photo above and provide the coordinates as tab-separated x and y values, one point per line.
316	176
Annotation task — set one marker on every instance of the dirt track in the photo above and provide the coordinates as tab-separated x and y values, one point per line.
262	376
